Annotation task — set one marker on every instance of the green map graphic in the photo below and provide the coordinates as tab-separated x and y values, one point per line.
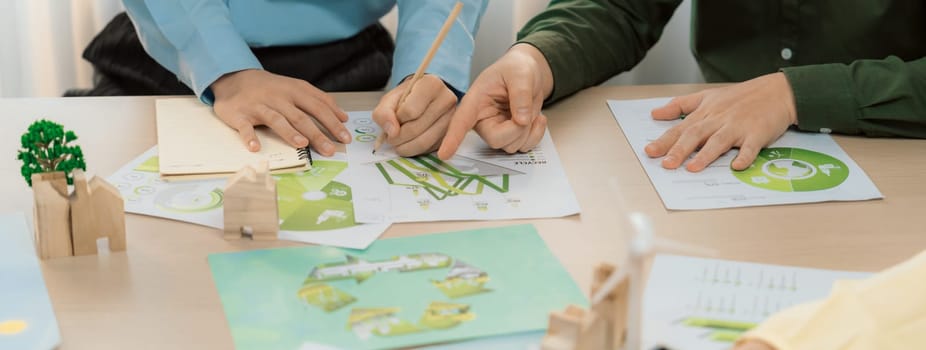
312	201
438	178
285	298
787	169
320	289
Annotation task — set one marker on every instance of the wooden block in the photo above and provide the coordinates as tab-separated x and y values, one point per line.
615	306
562	331
84	227
97	211
601	328
576	329
109	212
250	201
51	215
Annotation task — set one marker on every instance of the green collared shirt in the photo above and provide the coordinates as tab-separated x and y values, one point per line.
855	66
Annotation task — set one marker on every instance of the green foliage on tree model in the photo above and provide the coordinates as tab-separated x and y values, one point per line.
46	148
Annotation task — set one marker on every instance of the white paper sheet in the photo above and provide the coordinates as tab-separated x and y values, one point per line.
685	296
798	168
315	206
478	184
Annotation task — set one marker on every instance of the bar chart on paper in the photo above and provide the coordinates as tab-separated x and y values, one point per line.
695	303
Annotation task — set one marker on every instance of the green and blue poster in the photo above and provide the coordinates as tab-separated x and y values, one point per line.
399	292
27	320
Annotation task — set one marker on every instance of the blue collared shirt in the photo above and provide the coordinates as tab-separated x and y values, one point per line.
201	40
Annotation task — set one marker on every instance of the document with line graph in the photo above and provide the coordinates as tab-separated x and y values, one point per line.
479	183
697	303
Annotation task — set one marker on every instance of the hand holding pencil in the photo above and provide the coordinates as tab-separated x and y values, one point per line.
415	115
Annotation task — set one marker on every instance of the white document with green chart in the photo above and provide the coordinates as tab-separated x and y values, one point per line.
706	304
478	183
314	205
798	168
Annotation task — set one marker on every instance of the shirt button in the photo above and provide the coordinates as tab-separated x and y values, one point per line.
786	53
825	130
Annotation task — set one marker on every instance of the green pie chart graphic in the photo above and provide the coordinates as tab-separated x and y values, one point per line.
787	169
312	201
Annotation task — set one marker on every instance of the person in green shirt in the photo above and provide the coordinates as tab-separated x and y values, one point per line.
850	67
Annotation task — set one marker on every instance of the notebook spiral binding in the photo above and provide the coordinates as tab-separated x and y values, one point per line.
305	153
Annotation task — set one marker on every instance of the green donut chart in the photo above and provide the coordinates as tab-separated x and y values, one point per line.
189	199
787	169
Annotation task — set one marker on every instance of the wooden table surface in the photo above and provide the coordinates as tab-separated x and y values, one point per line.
160	294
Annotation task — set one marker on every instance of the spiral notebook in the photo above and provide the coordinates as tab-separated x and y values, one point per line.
193	142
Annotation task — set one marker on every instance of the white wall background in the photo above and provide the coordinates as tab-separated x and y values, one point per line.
669	62
42	41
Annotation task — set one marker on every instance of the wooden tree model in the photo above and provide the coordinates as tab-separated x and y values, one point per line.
46	148
68	224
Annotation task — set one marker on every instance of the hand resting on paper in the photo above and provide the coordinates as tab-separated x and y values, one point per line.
293	108
749	115
753	344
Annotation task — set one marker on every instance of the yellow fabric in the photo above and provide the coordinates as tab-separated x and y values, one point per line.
886	311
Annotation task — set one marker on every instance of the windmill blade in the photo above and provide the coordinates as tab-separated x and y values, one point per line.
668	246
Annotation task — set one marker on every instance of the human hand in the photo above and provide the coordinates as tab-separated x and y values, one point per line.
297	111
749	115
504	103
418	124
753	344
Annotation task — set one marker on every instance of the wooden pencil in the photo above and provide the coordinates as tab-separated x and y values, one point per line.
424	64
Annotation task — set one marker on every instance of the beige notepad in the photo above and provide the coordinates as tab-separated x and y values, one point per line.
192	140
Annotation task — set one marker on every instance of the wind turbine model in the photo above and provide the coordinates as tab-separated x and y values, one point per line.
614	319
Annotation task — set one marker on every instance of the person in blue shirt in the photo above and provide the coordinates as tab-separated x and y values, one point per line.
211	46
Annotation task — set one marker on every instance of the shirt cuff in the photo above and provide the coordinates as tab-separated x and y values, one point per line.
451	61
204	61
552	45
823	98
459	94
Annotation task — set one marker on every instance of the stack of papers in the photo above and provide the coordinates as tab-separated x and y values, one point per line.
194	141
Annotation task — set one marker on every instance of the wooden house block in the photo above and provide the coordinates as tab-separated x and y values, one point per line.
601	328
251	204
575	329
109	209
51	215
97	211
68	225
84	226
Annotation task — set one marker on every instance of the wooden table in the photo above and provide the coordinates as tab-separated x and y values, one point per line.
160	293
